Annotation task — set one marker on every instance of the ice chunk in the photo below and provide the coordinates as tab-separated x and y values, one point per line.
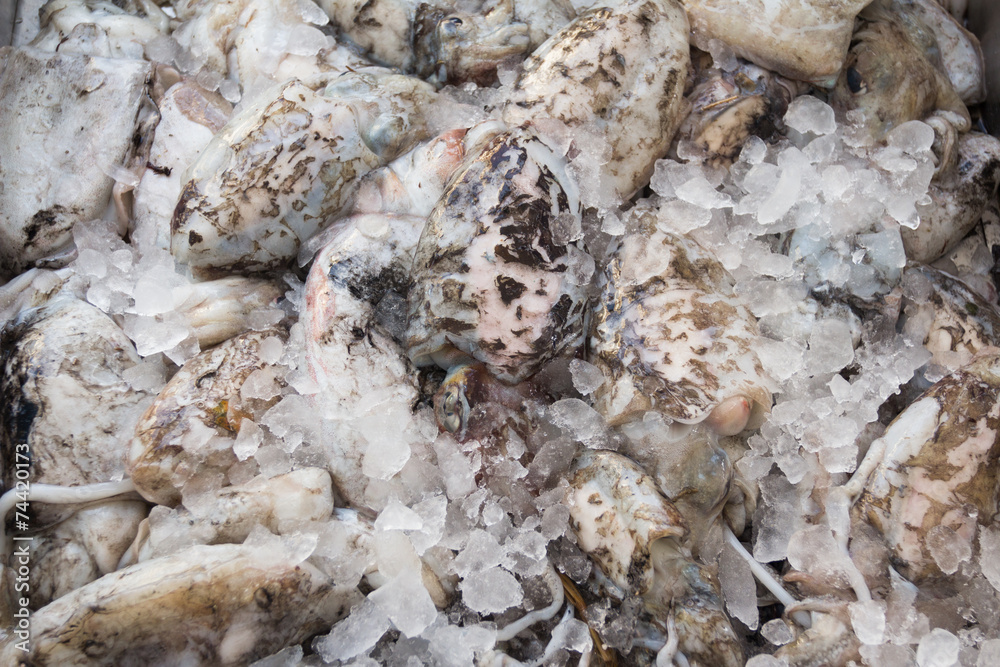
700	192
888	655
612	225
199	493
286	550
458	472
395	554
682	217
158	291
304	40
754	151
781	359
260	384
723	56
947	548
356	634
836	181
752	467
765	660
815	550
580	267
491	591
385	430
526	553
292	420
570	635
587	378
481	552
248	439
397	516
432	513
273	461
92	263
149	375
989	653
406	602
566	228
939	648
808	114
831	346
913	137
782	197
555	520
739	588
155	334
868	620
493	513
455	646
270	350
289	657
903	624
989	543
581	421
777	632
775	518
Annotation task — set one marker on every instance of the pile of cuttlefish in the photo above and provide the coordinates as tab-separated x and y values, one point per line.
307	306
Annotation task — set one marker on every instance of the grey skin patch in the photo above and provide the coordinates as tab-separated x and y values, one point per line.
88	106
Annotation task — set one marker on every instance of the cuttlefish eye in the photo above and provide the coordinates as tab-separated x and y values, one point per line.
452	407
452	418
449	27
855	82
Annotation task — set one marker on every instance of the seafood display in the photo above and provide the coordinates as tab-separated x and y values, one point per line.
500	332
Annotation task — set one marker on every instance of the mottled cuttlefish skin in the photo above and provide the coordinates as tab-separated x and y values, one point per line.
690	469
956	322
671	336
436	40
620	71
281	504
801	39
173	437
360	370
82	548
728	107
243	41
280	168
939	464
218	310
617	513
454	46
347	351
958	198
705	632
99	28
493	278
890	77
205	605
69	118
408	187
189	118
830	641
959	50
637	537
365	261
66	353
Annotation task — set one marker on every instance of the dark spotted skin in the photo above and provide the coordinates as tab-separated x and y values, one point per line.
489	278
